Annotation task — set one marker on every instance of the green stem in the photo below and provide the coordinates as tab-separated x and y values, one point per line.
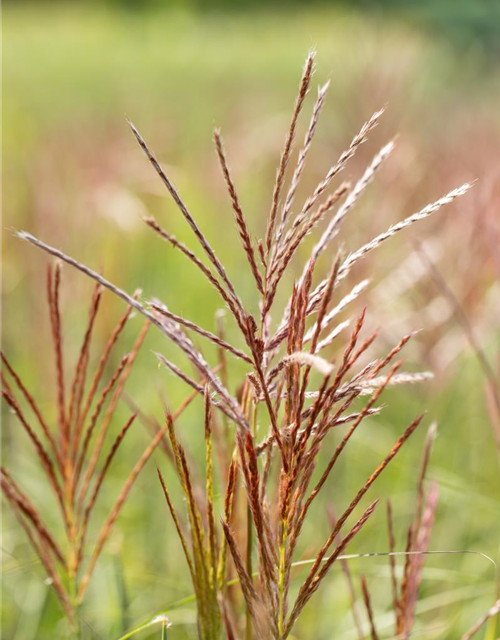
248	620
76	631
493	624
248	623
281	579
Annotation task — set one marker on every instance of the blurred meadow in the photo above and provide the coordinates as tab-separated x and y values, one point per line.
74	176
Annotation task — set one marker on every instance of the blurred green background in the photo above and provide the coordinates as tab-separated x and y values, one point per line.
74	176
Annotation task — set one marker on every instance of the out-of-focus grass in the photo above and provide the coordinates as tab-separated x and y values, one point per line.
74	177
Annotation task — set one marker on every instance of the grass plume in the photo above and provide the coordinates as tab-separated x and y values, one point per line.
300	388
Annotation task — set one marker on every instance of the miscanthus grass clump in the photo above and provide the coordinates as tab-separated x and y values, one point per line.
307	377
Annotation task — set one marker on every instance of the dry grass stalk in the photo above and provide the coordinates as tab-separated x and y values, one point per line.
491	613
214	281
369	610
163	311
333	227
291	397
358	139
285	256
405	593
241	223
285	156
299	169
344	565
189	218
75	462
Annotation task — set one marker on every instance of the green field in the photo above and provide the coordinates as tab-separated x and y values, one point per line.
74	177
